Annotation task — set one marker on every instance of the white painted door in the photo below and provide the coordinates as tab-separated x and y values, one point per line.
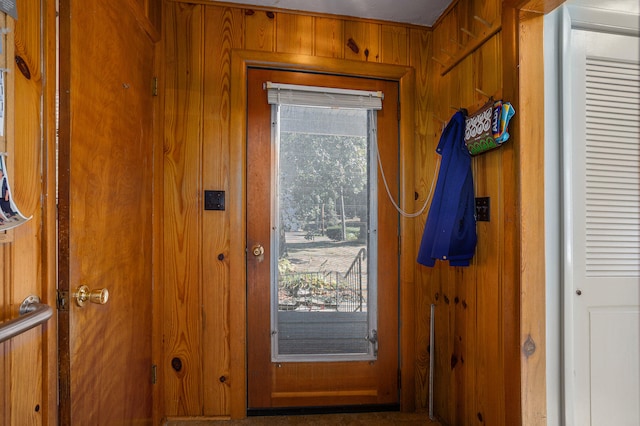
602	225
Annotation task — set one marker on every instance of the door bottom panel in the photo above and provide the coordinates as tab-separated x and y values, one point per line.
296	411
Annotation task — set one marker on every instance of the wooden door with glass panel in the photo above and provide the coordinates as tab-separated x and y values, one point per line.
322	241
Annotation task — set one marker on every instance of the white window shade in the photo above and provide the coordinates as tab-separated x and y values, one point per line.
289	94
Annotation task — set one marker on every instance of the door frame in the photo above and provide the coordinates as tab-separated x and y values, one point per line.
241	60
340	379
559	275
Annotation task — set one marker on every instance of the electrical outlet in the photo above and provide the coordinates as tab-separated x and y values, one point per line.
483	209
214	200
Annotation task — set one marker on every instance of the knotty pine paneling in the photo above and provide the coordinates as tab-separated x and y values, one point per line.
329	38
473	326
424	164
183	232
199	39
486	14
394	45
294	34
532	309
260	30
472	321
224	30
485	64
366	37
26	366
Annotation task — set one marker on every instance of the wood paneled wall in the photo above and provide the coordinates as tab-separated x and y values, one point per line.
482	320
470	54
199	42
474	325
27	362
489	327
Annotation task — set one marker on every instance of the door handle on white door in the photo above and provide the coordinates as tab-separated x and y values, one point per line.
83	294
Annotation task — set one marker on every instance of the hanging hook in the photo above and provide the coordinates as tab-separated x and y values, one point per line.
483	93
439	119
456	42
438	61
469	33
483	21
447	53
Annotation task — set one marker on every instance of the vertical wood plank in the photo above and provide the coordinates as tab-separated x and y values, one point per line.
223	32
484	75
420	52
294	34
463	303
5	372
259	30
22	358
238	235
50	210
364	35
489	390
393	44
24	170
9	117
449	33
182	226
510	263
329	37
532	295
485	15
454	276
158	296
443	393
406	264
26	186
5	282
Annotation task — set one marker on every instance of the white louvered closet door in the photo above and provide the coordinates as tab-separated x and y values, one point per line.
602	224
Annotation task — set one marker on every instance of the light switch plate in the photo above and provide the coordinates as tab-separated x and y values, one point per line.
483	209
214	200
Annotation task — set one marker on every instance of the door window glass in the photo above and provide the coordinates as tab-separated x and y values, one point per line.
324	223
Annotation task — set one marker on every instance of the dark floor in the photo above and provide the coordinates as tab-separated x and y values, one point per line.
352	419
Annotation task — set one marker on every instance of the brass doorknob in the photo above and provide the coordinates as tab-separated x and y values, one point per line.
258	250
83	294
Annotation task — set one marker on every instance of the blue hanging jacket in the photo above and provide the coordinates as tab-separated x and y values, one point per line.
450	231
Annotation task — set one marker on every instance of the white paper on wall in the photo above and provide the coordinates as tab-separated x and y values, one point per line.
10	215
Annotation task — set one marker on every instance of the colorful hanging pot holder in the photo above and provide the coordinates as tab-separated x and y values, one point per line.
486	129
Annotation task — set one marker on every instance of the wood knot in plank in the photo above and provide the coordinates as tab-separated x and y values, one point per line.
529	347
454	361
351	44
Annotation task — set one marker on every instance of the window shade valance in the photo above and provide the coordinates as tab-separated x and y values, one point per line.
290	94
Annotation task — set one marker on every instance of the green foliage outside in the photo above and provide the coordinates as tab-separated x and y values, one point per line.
318	174
335	233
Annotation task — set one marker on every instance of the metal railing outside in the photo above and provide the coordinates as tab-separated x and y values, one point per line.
325	290
353	277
